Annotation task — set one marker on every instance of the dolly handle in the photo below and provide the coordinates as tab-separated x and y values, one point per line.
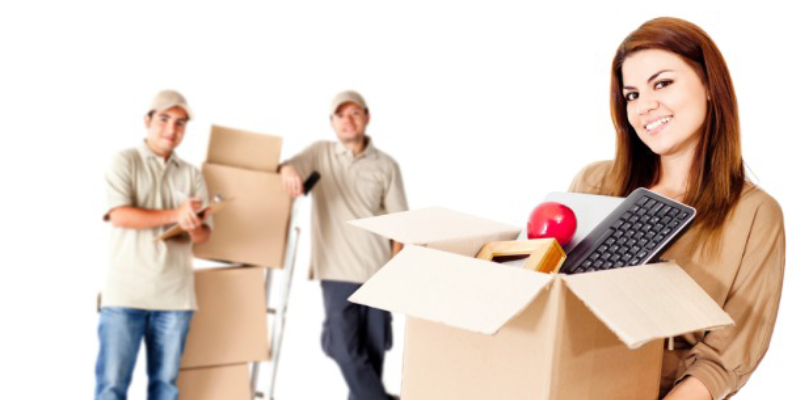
310	182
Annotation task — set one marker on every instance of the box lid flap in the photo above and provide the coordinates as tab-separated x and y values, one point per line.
243	149
433	224
647	302
462	292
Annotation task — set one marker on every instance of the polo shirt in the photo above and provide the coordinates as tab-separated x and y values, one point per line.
144	273
350	187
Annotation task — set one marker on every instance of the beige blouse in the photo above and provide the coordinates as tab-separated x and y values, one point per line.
745	279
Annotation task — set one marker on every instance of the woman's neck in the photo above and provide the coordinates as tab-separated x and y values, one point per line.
676	169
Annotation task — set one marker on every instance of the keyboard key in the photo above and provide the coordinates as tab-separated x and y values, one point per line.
594	256
619	264
683	215
673	212
658	238
602	249
673	224
659	227
607	265
638	235
642	255
647	228
626	216
645	219
610	241
597	264
605	256
642	242
656	208
614	248
664	211
615	258
626	226
650	246
634	219
642	211
641	201
635	209
618	234
637	226
650	203
617	224
655	220
626	257
650	235
635	261
586	264
623	250
666	219
630	242
629	233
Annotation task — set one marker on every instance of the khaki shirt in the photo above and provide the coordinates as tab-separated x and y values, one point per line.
350	188
745	279
143	273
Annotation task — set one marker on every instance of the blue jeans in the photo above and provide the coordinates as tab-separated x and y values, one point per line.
121	331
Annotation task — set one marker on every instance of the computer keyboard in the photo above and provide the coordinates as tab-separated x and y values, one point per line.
637	231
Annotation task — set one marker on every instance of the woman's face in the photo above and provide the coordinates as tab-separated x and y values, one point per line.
666	101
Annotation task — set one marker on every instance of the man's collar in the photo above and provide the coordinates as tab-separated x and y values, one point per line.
369	149
147	152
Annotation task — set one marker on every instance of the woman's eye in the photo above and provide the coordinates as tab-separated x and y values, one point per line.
631	96
662	84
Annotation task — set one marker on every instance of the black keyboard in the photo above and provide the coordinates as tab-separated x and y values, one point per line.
637	231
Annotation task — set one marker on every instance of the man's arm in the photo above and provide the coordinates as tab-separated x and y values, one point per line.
185	216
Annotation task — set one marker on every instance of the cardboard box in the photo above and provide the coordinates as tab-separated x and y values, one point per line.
482	330
252	228
215	383
230	325
243	149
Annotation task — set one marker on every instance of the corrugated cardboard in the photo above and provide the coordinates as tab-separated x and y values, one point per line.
243	149
252	229
479	330
230	325
215	383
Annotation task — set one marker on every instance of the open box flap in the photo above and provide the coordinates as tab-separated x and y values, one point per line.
647	302
434	224
462	292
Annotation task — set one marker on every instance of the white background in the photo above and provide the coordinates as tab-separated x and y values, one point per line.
486	106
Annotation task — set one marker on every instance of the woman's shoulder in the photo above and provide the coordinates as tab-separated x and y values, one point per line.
592	178
757	202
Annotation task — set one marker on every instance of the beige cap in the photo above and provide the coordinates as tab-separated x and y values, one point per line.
166	99
347	97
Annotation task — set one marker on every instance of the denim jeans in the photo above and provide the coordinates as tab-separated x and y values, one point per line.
121	331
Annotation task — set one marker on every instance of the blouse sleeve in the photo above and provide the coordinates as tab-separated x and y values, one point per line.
725	358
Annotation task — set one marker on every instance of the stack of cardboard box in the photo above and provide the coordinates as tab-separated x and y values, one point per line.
229	329
481	330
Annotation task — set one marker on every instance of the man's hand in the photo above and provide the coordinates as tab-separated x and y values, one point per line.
187	214
291	181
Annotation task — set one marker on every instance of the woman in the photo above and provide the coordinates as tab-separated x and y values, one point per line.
675	113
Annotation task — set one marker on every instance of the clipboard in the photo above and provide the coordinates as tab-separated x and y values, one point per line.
176	230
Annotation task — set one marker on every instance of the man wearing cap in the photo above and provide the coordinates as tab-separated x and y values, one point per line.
149	288
357	181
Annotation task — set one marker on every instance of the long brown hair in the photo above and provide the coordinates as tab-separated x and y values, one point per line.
717	176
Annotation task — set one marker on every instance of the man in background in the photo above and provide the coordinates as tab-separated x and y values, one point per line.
357	181
149	290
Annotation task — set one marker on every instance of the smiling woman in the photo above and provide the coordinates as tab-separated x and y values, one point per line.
677	125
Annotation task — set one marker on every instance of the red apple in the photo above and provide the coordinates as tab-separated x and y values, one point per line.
552	220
